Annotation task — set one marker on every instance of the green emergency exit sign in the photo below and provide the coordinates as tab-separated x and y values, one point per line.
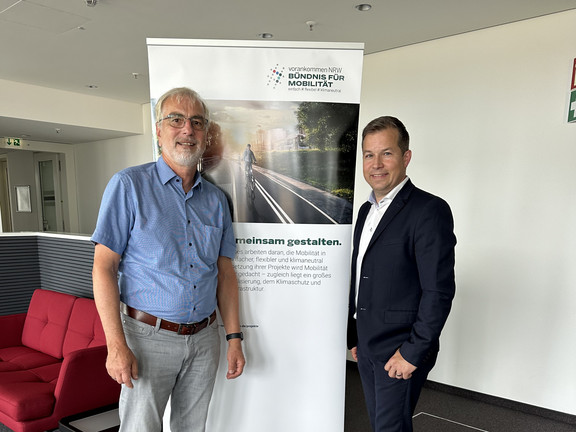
572	107
11	142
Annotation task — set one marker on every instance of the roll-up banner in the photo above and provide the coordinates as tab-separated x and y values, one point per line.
282	146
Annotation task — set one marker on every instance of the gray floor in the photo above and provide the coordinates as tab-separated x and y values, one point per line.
438	411
441	411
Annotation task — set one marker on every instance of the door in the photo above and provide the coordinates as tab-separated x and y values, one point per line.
49	192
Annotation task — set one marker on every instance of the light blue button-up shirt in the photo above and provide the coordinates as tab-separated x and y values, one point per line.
169	241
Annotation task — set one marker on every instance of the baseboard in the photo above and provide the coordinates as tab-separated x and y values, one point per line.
506	403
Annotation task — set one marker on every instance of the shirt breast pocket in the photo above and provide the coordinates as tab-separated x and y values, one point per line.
208	240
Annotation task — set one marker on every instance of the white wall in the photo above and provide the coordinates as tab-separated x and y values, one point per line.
96	162
26	101
487	115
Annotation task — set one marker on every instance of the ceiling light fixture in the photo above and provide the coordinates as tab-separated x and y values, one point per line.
363	7
91	3
266	35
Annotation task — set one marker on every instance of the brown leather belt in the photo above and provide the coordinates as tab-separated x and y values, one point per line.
181	329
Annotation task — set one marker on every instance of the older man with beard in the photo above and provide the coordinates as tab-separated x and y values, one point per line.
162	264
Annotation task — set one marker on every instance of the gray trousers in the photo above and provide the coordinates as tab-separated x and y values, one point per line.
183	367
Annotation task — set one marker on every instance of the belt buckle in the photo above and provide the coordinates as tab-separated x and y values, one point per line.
191	328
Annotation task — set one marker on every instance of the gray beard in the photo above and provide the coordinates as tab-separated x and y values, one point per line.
187	160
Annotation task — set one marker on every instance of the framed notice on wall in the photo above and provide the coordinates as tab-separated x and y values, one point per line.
23	204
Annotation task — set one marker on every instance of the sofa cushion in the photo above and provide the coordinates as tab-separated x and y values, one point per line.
47	321
22	358
84	328
27	400
27	394
46	374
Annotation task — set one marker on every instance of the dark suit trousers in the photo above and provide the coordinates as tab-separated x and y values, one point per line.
390	401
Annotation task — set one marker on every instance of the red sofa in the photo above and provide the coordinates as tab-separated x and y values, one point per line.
52	362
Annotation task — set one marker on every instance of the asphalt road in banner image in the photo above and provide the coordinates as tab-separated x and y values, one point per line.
275	198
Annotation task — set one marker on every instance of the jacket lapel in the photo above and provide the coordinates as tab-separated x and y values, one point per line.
396	205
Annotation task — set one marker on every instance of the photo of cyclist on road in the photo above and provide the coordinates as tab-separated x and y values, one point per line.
284	162
248	158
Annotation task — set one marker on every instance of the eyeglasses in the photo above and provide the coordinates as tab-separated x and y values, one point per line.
178	121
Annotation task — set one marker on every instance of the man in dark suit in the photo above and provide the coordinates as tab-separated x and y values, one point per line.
402	279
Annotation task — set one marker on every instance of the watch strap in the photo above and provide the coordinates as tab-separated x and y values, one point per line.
235	336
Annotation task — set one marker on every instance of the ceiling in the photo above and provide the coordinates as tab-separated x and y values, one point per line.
69	45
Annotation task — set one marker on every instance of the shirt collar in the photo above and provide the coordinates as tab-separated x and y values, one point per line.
166	174
389	196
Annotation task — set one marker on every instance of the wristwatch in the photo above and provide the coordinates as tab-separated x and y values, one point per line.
235	336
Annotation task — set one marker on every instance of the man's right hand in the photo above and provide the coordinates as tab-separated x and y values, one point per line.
122	365
354	352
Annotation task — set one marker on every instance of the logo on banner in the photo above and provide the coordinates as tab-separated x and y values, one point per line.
306	78
275	76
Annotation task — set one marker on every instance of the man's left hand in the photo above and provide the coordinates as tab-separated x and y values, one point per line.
397	367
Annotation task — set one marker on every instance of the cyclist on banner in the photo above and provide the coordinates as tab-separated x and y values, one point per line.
248	158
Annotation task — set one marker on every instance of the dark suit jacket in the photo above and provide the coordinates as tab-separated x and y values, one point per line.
407	278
